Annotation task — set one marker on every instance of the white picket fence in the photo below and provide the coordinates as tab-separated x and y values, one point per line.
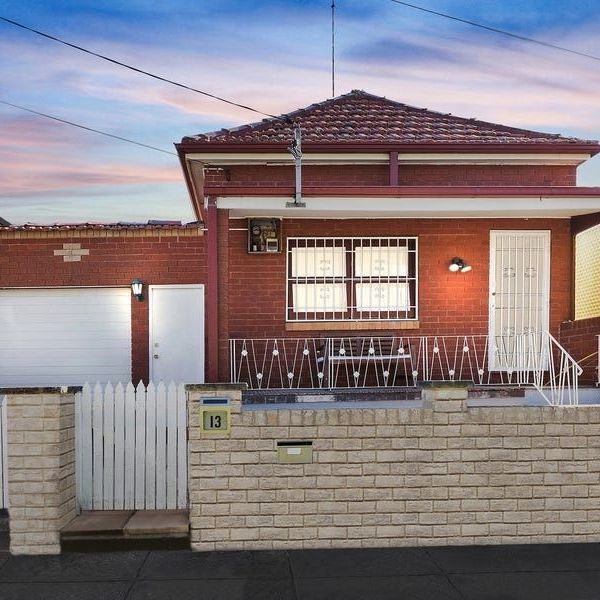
131	447
3	453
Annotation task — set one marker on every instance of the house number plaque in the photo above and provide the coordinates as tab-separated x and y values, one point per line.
215	420
215	416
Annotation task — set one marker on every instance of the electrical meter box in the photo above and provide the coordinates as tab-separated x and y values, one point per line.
264	236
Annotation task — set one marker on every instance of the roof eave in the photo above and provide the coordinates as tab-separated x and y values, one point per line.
406	191
546	147
196	201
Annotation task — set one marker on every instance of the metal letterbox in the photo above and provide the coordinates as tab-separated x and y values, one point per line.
294	452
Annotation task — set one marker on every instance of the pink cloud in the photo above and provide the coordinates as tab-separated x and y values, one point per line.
39	173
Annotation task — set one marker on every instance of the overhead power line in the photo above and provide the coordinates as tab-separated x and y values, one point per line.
138	70
64	121
496	30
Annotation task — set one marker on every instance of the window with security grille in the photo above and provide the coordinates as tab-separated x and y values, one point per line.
332	279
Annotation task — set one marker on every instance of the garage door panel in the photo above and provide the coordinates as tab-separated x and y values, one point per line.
64	336
81	330
40	357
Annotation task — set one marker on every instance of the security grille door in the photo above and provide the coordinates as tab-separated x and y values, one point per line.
519	296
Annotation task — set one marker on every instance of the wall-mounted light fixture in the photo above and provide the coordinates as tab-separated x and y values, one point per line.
137	289
458	264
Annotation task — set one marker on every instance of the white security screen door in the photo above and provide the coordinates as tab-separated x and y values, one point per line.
177	333
519	295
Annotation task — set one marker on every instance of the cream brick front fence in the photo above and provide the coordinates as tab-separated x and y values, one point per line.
41	467
3	453
339	477
442	474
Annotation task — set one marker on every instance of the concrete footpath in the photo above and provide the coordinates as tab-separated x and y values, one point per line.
568	571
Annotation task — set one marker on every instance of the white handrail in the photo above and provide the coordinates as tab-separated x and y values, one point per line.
557	372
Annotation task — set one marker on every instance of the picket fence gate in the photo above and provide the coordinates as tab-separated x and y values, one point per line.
3	452
131	447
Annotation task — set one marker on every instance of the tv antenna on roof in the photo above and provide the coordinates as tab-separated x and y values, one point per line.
333	48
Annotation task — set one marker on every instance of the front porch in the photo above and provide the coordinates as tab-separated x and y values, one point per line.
391	368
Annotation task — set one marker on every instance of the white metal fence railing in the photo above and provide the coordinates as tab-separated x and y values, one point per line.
3	453
131	447
534	360
557	372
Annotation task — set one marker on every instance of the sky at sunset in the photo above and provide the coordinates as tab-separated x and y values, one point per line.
273	55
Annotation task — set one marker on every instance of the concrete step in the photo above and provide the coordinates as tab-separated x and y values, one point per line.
97	523
158	523
127	530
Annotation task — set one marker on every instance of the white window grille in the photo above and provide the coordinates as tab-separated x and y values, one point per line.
351	278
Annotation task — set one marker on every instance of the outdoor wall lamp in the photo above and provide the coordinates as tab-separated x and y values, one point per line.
137	289
458	264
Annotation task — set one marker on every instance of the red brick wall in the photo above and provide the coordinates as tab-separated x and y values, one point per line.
252	287
113	261
486	175
449	303
582	222
579	338
410	175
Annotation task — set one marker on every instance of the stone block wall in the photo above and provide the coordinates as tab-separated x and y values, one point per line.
396	477
41	468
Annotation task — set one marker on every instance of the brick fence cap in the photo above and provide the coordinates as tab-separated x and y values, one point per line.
446	384
215	387
40	390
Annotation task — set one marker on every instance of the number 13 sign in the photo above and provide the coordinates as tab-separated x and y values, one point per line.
215	420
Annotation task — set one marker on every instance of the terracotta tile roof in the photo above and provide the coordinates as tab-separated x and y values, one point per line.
102	226
362	117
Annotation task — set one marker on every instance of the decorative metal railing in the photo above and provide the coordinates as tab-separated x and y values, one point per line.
557	372
532	360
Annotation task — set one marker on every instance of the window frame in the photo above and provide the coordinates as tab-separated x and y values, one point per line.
350	244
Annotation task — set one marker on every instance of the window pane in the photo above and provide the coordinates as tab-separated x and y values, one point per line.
382	296
319	297
381	261
318	262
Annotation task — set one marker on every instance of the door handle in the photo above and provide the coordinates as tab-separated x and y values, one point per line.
155	356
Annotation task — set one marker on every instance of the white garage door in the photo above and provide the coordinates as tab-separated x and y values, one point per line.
64	336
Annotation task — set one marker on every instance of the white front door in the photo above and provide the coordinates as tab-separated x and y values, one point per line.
177	333
519	295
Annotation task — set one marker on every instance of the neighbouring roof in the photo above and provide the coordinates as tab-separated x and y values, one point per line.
104	226
360	117
4	223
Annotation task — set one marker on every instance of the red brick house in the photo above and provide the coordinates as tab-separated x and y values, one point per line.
391	195
419	245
